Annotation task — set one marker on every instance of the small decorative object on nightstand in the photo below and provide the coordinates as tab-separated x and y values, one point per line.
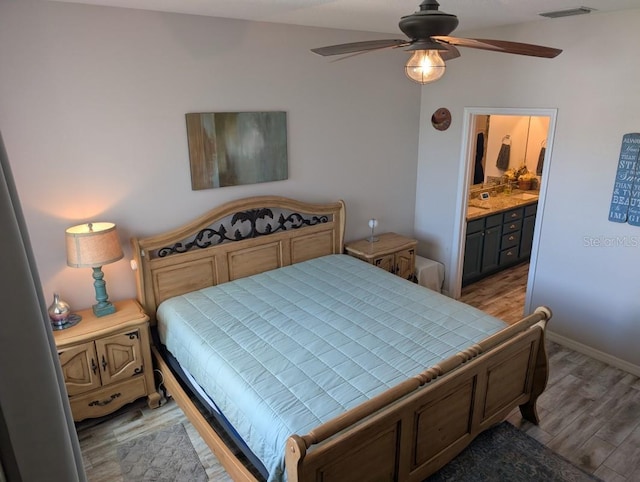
106	361
373	224
60	314
392	252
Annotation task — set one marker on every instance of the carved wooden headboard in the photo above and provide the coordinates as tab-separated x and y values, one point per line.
234	240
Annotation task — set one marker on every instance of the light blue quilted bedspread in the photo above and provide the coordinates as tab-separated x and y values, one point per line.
287	350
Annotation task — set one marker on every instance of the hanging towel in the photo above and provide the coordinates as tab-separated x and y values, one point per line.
503	157
540	161
478	173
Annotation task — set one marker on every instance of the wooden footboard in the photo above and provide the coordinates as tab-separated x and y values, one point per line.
415	428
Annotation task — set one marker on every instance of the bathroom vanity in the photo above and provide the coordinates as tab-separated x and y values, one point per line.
499	233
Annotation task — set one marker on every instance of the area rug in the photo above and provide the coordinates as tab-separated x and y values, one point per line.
504	453
163	456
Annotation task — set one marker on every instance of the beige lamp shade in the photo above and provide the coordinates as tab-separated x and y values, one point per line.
92	245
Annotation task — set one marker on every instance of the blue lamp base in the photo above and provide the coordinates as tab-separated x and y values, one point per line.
102	309
103	306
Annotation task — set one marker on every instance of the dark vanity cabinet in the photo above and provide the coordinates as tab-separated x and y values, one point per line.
511	237
472	254
482	247
528	224
497	241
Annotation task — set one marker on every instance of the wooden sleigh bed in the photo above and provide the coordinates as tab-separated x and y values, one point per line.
405	433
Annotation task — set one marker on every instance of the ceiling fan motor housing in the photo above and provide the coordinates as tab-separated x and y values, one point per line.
428	22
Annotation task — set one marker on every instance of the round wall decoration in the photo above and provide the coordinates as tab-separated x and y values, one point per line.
441	119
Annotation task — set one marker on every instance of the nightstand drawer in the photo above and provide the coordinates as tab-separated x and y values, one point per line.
108	399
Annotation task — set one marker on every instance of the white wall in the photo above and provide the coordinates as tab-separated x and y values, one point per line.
92	109
593	291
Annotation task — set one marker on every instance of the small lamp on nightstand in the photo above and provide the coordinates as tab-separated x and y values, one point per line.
93	245
373	223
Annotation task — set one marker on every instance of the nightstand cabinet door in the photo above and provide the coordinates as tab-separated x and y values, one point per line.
80	368
387	263
120	356
405	263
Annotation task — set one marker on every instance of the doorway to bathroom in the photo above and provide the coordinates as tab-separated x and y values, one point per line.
504	170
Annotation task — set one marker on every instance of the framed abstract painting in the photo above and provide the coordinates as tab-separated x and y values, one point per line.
235	148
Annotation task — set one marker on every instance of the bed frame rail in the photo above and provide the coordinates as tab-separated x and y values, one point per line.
415	428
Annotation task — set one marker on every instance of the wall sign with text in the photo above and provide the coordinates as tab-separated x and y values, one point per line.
625	201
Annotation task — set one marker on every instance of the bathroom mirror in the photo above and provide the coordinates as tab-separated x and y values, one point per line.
504	142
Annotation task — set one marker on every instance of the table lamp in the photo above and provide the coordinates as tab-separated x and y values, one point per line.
373	224
93	245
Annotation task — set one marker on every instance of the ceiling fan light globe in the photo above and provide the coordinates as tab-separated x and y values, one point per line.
425	66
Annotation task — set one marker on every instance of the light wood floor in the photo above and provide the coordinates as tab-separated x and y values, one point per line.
501	295
590	412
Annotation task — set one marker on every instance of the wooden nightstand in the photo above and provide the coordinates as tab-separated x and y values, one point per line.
106	361
395	253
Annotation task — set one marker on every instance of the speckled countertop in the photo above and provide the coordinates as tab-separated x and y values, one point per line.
478	208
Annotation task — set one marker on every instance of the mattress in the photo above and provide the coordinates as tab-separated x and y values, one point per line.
284	351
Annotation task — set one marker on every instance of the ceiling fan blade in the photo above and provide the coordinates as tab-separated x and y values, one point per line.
354	47
355	54
449	54
502	46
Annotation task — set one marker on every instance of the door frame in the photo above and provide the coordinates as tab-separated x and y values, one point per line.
460	226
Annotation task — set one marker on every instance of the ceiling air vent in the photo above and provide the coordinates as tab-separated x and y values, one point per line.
567	13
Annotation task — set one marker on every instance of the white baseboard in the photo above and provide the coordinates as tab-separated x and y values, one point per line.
593	353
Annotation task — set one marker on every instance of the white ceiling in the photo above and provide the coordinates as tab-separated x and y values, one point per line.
369	15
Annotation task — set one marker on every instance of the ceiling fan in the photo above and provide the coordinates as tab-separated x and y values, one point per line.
428	31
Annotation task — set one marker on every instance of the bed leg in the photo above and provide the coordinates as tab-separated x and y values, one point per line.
540	376
530	413
154	400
